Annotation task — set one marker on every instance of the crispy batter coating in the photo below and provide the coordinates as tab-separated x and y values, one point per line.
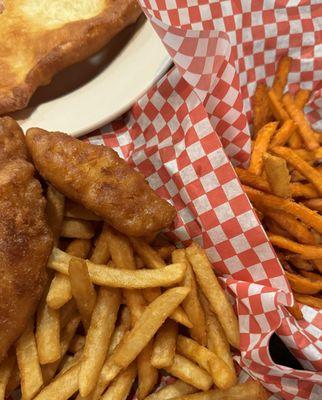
25	239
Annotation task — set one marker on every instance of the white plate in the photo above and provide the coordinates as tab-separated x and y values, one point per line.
96	91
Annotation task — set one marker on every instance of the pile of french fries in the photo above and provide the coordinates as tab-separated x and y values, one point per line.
284	184
116	311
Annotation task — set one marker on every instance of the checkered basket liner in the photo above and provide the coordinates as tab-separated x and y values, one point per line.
186	133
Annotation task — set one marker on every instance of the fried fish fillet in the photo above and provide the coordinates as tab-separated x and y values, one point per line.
100	180
41	37
25	239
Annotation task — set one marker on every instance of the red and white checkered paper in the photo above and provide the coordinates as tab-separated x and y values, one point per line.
188	130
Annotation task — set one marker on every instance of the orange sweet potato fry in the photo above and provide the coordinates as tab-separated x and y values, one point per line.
308	252
314	204
278	175
300	120
303	285
309	300
261	111
318	265
295	311
277	107
303	190
302	97
260	147
304	168
313	276
281	75
256	181
283	134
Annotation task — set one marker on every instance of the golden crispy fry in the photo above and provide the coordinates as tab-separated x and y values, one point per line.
171	391
68	362
121	386
120	330
283	134
82	289
149	256
295	311
314	204
76	210
210	286
302	97
307	252
139	262
298	262
165	345
309	300
48	334
55	211
165	251
281	75
277	107
300	120
79	248
222	375
250	390
14	380
6	368
191	304
261	111
277	175
77	344
293	226
300	165
134	342
190	373
68	311
261	199
77	229
101	253
147	373
303	285
112	277
61	388
28	363
98	338
260	147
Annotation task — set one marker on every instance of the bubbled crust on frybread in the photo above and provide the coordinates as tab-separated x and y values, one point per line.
25	239
98	178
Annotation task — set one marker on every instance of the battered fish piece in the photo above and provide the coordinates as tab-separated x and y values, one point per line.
25	239
100	180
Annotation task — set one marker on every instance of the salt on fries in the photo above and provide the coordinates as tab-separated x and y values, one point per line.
284	183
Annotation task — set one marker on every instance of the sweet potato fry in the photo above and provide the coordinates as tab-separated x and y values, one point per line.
309	300
283	134
261	199
312	275
260	147
314	204
277	107
261	111
301	122
302	97
307	191
278	175
318	265
298	262
275	228
295	311
280	80
307	252
301	166
303	285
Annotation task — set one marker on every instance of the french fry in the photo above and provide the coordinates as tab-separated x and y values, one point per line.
307	191
307	252
301	166
222	375
77	229
190	373
301	122
98	338
101	253
77	211
61	388
147	373
277	175
210	286
191	304
67	312
312	276
281	75
6	368
250	390
277	107
309	300
306	155
13	382
55	211
318	265
165	345
302	97
295	141
303	285
68	362
275	228
120	330
121	386
293	226
28	363
299	263
60	291
296	176
149	256
260	147
314	204
283	134
48	334
261	111
295	311
82	289
112	277
134	342
261	199
76	344
173	390
165	251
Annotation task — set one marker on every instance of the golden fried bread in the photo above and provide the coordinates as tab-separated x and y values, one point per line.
25	238
41	37
100	180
